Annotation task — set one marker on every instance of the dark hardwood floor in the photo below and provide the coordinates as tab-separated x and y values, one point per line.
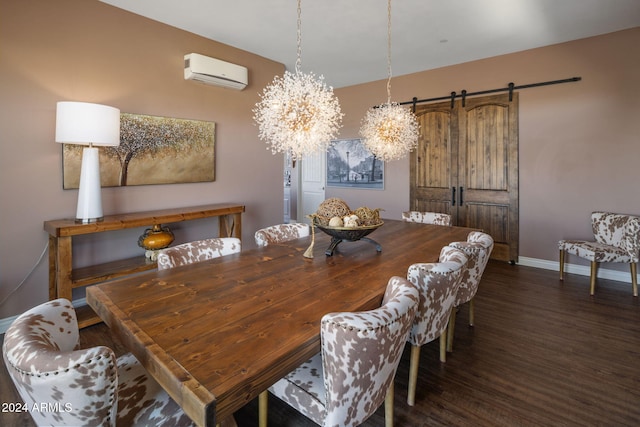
542	353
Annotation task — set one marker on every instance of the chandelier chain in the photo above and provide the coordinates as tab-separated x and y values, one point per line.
298	114
389	131
299	38
389	51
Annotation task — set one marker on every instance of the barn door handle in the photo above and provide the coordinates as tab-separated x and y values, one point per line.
453	196
461	199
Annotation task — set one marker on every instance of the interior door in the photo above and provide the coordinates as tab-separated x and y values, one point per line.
488	170
313	170
433	164
466	164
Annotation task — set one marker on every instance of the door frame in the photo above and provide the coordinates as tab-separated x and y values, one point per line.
314	166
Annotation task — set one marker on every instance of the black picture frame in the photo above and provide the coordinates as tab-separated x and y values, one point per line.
351	165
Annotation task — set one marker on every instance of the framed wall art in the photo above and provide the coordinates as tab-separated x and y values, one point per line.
152	150
350	164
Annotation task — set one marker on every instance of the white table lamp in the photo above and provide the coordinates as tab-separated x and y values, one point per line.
88	124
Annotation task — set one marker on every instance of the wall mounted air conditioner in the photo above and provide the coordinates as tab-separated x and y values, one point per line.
214	71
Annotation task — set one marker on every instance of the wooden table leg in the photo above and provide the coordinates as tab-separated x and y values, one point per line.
230	225
53	255
64	258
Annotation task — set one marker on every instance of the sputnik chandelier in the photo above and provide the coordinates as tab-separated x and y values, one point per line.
389	131
298	114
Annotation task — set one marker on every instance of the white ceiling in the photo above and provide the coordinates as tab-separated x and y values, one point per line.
346	40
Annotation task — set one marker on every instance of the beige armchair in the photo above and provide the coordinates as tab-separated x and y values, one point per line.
427	217
200	250
347	382
281	233
80	387
478	248
438	285
617	239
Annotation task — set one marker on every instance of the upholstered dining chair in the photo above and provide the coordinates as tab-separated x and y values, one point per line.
478	248
281	233
617	239
80	386
438	284
427	217
354	373
199	250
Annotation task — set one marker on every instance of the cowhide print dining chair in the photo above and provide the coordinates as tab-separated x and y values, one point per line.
281	233
80	387
617	239
200	250
438	284
354	373
427	217
478	248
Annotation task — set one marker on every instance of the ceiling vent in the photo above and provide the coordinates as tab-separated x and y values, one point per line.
215	72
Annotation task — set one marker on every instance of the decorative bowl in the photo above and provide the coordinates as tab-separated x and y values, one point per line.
349	234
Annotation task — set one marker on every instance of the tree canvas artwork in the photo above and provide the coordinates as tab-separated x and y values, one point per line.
152	150
350	164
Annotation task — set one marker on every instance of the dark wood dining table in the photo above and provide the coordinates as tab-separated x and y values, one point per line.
216	333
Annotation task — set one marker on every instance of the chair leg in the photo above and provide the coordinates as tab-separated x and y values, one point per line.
443	346
263	402
634	278
413	374
561	264
594	273
388	407
472	311
450	330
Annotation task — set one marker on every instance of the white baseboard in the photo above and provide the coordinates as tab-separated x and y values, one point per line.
582	270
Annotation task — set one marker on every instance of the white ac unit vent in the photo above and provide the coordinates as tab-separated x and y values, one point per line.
215	72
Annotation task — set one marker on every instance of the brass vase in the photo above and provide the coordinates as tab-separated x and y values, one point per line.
155	238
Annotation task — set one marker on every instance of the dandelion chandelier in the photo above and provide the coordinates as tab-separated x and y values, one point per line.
297	113
389	131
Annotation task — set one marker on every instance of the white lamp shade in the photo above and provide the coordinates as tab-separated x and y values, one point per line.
85	124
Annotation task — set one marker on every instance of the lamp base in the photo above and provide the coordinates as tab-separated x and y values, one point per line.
88	220
89	192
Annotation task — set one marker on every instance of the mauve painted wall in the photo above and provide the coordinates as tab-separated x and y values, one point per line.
82	50
579	142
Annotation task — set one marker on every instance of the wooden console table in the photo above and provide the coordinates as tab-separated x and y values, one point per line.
63	278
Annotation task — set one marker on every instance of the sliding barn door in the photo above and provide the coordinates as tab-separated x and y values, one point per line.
466	164
433	164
